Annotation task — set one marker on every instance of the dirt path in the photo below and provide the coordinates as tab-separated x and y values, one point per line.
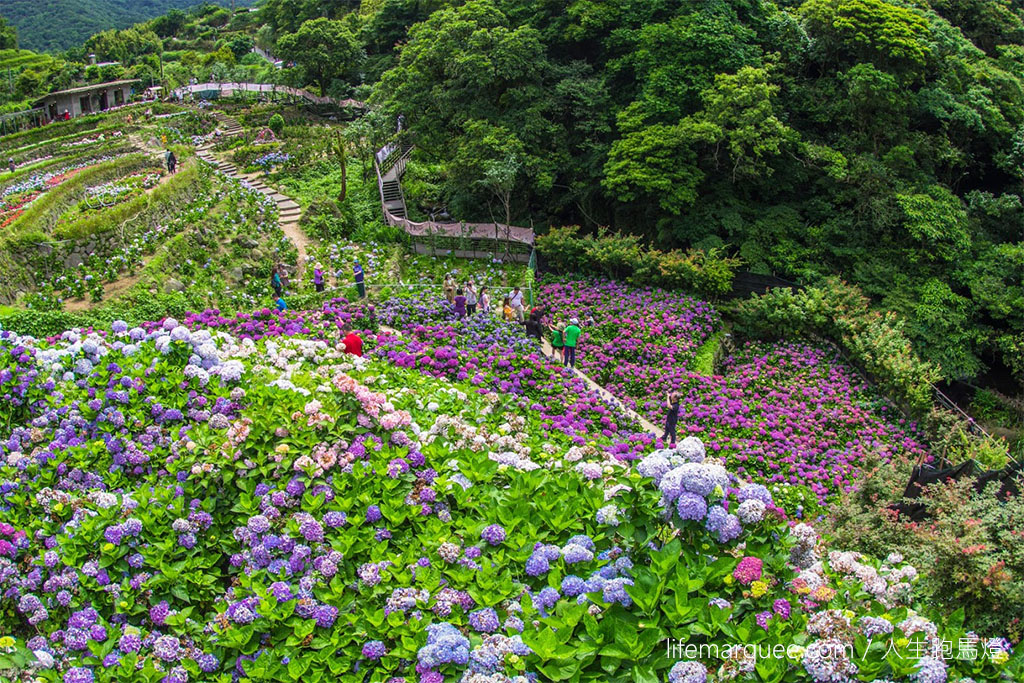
607	395
645	424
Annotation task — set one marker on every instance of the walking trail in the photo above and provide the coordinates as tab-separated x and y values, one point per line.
645	424
289	212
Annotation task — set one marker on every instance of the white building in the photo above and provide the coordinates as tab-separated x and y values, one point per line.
88	99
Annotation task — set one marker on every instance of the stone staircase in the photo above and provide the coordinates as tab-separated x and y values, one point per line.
289	212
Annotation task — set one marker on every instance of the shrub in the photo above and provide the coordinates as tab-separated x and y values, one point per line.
276	124
328	219
842	313
707	272
967	548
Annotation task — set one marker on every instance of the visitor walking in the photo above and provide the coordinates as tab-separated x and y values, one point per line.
281	305
11	166
449	288
571	338
275	280
470	298
672	418
318	278
360	285
557	343
516	301
172	161
506	311
352	341
460	304
485	301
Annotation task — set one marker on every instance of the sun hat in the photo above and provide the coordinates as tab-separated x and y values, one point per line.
574	321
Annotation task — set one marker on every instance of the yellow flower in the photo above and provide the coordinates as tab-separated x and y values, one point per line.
6	641
902	642
282	448
1000	658
57	507
758	588
728	579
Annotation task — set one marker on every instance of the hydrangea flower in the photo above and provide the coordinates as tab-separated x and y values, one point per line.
374	649
493	534
688	672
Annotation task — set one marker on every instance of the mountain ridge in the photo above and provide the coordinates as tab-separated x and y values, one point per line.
62	24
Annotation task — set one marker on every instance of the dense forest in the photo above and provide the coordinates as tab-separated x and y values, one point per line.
63	24
879	141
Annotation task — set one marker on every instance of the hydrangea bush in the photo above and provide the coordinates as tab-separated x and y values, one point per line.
784	414
190	505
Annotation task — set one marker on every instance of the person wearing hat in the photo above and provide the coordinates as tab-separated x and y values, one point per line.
570	338
10	165
358	269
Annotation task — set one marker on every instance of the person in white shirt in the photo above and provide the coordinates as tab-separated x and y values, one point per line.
516	302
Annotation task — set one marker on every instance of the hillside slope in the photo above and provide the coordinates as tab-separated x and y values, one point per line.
61	24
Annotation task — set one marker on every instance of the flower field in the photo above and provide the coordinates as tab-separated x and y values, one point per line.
780	414
187	504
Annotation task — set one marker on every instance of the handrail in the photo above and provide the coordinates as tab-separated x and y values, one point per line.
395	155
272	88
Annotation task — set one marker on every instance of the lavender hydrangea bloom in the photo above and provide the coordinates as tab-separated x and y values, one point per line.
537	565
754	492
930	670
79	674
167	649
374	649
576	553
688	672
573	586
484	620
493	534
690	506
750	511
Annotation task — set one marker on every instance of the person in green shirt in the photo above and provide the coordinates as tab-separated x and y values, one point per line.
557	343
570	338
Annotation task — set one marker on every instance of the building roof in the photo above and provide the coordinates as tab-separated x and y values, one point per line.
86	89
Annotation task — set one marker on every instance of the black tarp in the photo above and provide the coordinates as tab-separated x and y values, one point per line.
1008	479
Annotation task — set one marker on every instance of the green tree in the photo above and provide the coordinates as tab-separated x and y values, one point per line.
29	83
655	163
8	36
937	222
326	49
868	30
739	114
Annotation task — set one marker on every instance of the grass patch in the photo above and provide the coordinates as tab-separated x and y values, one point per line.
704	358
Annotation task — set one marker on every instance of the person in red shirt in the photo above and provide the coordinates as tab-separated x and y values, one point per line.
353	342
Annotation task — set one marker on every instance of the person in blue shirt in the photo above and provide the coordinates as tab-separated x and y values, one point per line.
281	305
359	280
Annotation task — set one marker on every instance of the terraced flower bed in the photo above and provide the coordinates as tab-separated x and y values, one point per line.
786	415
187	505
106	195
